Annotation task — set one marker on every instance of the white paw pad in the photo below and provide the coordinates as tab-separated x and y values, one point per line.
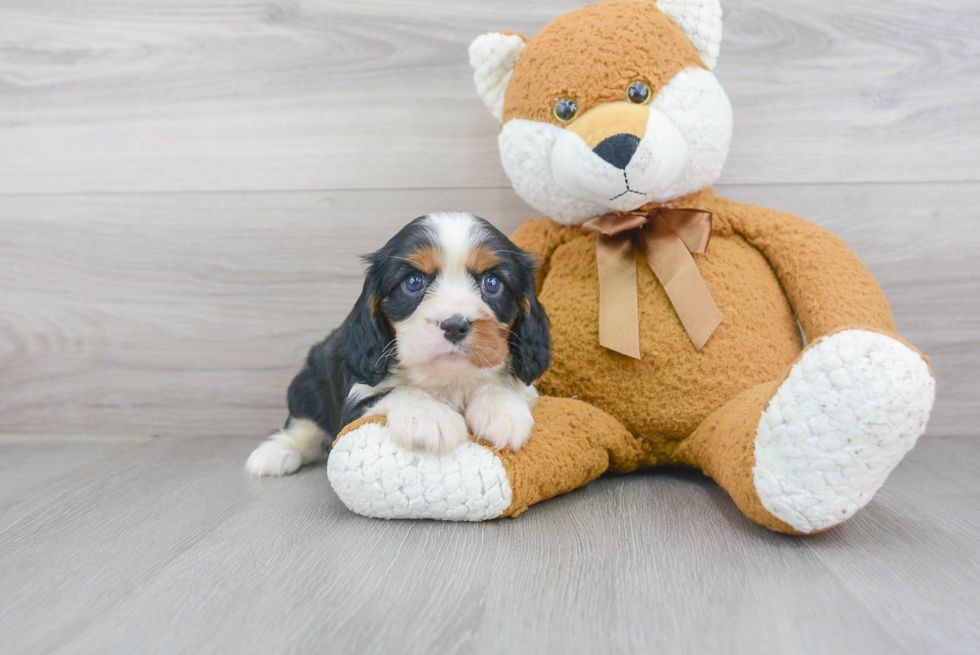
850	410
500	424
375	477
273	459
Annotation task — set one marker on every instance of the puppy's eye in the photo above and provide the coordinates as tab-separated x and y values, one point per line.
491	284
638	92
414	283
565	109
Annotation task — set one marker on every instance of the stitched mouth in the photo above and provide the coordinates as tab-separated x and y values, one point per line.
628	189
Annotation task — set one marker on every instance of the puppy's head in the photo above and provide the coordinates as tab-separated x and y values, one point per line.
609	107
449	289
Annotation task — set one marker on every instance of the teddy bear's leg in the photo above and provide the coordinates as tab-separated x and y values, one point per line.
804	453
572	444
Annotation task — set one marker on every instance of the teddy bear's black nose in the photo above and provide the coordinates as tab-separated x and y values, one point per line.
618	150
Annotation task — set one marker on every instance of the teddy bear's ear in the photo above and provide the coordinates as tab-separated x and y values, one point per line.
701	22
493	57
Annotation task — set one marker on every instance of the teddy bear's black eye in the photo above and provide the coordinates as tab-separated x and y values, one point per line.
638	92
565	109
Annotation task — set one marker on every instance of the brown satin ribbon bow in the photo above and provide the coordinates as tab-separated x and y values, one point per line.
666	236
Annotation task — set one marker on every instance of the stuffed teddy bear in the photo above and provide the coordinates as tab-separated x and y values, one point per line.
676	315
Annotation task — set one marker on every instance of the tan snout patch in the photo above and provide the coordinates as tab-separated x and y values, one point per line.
610	119
487	343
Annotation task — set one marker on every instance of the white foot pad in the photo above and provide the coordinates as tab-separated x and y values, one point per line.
376	478
273	459
850	410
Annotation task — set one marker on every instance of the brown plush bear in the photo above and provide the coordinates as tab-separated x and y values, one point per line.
675	314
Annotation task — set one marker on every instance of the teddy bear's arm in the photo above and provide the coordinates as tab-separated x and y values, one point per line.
825	282
541	237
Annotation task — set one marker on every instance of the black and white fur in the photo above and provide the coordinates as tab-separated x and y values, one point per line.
457	356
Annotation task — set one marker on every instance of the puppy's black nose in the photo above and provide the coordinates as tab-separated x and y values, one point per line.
618	150
456	328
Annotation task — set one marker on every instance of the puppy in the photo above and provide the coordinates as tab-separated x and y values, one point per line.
446	338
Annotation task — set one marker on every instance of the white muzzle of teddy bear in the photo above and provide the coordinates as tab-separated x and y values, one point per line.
629	182
682	150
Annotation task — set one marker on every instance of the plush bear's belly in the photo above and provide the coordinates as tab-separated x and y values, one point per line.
664	396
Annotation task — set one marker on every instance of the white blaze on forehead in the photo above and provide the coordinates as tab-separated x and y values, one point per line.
454	291
455	234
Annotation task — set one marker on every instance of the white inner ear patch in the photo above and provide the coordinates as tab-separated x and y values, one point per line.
701	21
493	57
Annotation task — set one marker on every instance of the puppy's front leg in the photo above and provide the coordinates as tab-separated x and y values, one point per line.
501	415
417	420
299	443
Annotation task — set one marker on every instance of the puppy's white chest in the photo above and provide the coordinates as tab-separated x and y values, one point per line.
450	385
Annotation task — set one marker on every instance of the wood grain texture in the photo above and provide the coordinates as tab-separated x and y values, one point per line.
125	96
185	187
182	314
168	547
188	314
40	468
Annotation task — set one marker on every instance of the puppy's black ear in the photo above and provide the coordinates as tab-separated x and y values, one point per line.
365	335
530	336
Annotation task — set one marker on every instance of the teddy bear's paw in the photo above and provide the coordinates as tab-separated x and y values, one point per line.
851	408
375	477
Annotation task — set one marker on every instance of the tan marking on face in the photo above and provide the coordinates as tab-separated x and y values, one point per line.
379	315
480	259
610	119
487	343
427	259
592	55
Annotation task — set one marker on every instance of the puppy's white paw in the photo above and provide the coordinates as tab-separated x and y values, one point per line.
427	425
273	459
500	419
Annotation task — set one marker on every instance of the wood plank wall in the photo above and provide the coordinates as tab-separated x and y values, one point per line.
185	185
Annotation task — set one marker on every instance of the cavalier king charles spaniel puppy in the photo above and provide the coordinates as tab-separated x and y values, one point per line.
446	338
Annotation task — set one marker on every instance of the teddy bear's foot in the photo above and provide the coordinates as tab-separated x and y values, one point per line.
850	409
375	477
571	444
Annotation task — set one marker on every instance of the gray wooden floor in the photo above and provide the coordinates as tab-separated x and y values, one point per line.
185	187
126	545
